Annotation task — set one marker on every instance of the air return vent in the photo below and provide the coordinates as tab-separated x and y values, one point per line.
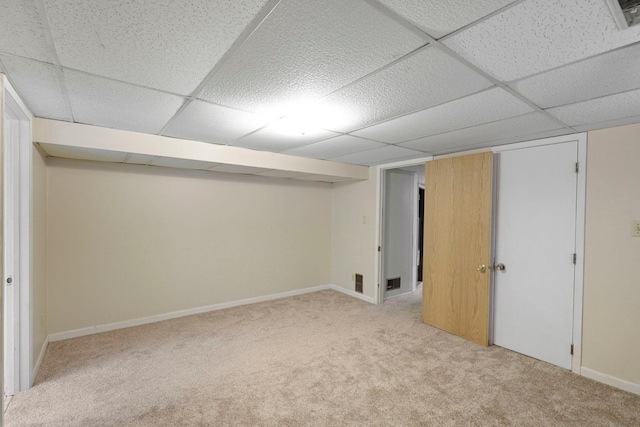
625	12
393	283
359	283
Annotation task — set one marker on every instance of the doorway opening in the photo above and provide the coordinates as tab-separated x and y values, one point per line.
401	234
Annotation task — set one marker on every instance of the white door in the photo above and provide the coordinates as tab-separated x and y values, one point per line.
536	241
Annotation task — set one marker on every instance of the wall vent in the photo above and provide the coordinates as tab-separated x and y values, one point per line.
393	283
626	13
359	283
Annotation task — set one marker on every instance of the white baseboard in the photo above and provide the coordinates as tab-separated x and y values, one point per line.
36	368
198	310
352	293
612	381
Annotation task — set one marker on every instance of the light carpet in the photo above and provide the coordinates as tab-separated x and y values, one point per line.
320	359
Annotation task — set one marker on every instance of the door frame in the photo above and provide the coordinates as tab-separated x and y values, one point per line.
578	290
380	189
19	363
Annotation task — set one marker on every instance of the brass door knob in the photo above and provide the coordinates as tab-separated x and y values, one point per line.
482	268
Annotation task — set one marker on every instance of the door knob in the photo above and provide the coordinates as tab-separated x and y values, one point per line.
481	268
500	267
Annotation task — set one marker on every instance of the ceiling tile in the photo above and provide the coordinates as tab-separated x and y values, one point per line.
81	153
21	30
487	106
378	156
202	121
612	107
489	132
168	45
305	50
602	75
171	162
537	35
38	85
439	18
139	159
103	102
245	170
427	78
274	138
334	147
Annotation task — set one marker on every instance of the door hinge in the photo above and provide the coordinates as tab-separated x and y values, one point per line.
577	167
379	248
575	259
572	349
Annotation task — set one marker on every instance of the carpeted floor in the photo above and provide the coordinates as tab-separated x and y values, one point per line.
321	359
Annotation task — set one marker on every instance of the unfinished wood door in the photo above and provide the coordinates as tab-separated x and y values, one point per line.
457	245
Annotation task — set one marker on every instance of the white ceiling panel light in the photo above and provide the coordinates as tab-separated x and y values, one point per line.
104	102
625	12
168	45
427	78
377	156
202	121
21	31
522	125
305	50
335	147
613	72
538	35
607	108
439	18
487	106
39	87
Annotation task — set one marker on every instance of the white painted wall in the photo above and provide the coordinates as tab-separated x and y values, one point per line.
39	258
126	242
399	223
353	234
611	330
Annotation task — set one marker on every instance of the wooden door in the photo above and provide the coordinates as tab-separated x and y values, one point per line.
457	245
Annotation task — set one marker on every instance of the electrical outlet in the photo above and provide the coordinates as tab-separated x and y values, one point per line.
635	228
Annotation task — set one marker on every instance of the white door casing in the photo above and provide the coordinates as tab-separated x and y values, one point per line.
536	240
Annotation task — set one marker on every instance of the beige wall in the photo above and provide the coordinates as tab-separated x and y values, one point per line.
611	330
353	245
127	241
39	260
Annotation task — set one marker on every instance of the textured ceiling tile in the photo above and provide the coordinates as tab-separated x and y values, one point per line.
452	141
202	121
378	156
612	107
334	147
537	35
439	18
38	85
428	78
606	74
272	138
168	45
487	106
81	153
305	50
102	102
21	30
170	162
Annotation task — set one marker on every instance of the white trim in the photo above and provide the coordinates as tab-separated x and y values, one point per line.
59	336
578	291
43	350
353	294
540	142
612	381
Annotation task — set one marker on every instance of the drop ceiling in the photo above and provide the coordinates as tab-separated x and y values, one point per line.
364	82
